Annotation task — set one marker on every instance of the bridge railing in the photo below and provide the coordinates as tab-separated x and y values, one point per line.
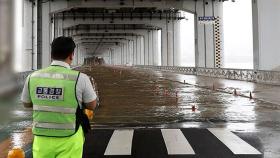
269	77
21	77
233	74
10	82
15	81
185	70
260	76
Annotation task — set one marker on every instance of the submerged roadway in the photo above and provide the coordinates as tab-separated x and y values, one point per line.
146	113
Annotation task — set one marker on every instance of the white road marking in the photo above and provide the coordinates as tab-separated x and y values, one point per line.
120	143
176	143
233	142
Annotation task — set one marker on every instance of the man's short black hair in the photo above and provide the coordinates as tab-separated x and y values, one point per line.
62	47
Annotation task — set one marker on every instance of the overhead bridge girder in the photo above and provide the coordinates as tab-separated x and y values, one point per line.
128	5
88	15
73	32
106	37
104	34
113	27
68	23
101	41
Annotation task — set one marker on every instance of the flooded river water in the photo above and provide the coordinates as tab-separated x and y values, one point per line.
146	98
130	96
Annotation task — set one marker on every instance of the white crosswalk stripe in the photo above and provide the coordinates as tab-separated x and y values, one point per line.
176	143
233	142
120	143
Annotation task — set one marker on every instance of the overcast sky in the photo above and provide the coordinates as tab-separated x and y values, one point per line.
187	41
238	37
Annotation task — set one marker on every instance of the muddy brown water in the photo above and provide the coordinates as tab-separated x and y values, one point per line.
146	98
134	96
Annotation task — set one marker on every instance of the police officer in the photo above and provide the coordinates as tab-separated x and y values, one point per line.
57	95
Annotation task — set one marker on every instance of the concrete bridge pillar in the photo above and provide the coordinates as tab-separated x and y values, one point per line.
150	50
142	50
29	45
146	48
44	35
170	42
206	53
164	47
131	50
123	54
126	53
138	50
168	37
266	33
134	55
155	47
119	55
177	43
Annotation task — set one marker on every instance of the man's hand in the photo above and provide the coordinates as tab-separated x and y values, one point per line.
89	114
89	109
28	105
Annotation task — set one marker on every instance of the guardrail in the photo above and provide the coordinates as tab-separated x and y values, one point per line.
185	70
267	77
16	81
233	74
260	76
10	82
21	77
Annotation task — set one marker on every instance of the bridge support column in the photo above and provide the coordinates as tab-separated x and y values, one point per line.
139	50
155	47
130	52
29	54
146	48
164	47
142	49
134	58
44	34
126	52
266	34
76	55
177	43
206	51
150	48
119	55
170	42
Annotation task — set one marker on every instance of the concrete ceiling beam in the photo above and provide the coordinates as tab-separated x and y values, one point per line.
59	6
136	32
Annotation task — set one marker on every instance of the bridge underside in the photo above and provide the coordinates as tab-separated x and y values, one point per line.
142	32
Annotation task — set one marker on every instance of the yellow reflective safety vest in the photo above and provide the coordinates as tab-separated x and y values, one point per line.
55	105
